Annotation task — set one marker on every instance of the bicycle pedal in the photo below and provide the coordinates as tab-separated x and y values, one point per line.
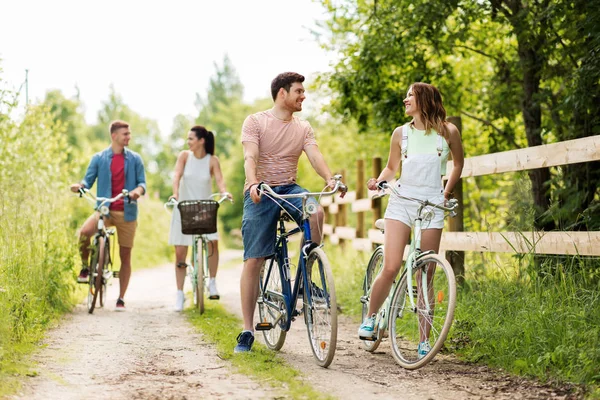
214	297
263	326
115	274
368	338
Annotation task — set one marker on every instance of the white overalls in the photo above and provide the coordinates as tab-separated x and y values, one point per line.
423	164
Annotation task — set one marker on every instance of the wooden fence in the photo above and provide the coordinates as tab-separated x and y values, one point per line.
454	239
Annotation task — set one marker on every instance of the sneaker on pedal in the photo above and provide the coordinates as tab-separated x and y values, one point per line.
244	342
213	294
423	349
83	275
180	301
120	305
367	329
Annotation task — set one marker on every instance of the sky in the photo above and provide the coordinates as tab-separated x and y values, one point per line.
157	54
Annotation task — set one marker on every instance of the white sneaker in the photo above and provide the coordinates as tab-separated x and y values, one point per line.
213	294
180	300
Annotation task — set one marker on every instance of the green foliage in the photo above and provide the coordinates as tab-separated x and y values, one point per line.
221	328
152	235
37	250
519	73
545	327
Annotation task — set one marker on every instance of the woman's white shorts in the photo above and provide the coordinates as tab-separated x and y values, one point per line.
406	210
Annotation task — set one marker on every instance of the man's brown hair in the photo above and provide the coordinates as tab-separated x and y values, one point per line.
118	124
284	80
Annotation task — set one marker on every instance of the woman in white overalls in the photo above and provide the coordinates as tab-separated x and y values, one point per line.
422	146
192	180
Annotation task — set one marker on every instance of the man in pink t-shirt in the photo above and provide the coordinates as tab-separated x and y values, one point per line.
273	142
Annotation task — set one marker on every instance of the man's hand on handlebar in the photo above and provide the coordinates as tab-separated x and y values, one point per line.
75	187
254	193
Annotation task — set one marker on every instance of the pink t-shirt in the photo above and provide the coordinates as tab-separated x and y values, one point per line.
280	145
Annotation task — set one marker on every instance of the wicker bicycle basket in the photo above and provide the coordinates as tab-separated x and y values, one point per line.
198	216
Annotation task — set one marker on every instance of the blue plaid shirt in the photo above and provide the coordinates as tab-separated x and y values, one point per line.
135	176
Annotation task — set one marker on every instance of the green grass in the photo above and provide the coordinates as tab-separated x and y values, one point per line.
545	327
221	328
543	324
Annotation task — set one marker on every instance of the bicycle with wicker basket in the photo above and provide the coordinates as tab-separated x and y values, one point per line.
199	218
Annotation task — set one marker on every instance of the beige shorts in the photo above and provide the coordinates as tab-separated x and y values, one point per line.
125	229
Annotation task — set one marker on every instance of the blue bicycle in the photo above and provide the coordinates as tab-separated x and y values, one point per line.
313	282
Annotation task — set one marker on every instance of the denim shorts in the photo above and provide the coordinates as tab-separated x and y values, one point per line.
259	221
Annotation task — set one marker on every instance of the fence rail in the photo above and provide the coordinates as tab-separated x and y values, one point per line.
556	242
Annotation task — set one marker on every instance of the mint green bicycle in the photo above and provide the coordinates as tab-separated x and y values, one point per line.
421	303
199	218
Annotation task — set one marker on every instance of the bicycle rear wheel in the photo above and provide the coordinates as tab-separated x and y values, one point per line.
373	268
320	311
271	305
95	277
410	326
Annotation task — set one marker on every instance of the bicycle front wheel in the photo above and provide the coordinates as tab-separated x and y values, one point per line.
95	277
199	284
418	330
106	267
320	308
271	305
373	268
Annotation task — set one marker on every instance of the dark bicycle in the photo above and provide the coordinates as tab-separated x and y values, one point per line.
313	282
100	262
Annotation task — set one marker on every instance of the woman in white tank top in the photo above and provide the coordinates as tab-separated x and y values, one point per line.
421	177
192	180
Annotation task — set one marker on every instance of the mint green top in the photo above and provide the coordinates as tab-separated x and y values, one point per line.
420	143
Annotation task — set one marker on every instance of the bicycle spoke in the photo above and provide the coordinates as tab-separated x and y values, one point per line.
431	317
320	307
270	306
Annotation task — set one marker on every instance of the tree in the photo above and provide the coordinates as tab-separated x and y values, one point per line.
511	66
224	95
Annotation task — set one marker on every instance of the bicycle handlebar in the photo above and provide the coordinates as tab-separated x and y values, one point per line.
87	194
172	202
383	185
339	186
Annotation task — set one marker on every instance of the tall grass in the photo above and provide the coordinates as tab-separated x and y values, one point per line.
539	322
39	218
543	325
36	250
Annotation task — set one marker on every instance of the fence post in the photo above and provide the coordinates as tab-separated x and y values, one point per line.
360	194
341	215
456	224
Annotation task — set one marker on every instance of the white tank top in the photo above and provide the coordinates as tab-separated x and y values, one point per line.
195	183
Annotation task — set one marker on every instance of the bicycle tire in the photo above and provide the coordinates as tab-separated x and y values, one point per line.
320	313
96	273
91	281
199	291
107	263
373	268
275	337
407	326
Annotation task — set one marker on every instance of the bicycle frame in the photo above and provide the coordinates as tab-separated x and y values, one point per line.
101	206
290	294
199	253
414	253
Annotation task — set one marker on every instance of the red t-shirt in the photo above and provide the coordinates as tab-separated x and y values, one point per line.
117	169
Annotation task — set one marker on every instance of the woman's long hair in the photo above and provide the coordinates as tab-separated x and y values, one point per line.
431	107
209	138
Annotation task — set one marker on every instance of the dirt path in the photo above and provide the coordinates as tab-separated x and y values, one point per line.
151	352
147	352
357	374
